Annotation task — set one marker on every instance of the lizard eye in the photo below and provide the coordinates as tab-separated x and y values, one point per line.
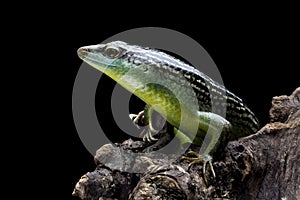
112	52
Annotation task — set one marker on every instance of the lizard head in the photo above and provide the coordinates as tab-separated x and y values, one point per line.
105	57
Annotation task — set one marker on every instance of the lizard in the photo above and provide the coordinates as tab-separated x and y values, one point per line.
183	95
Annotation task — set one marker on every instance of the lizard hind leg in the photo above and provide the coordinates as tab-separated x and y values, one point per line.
213	125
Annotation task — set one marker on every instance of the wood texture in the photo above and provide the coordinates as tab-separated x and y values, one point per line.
264	165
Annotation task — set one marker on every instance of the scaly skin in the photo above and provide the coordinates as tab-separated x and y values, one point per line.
188	99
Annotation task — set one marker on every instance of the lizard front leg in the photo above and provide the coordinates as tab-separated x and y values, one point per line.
145	118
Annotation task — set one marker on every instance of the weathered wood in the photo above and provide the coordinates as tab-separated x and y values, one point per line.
265	165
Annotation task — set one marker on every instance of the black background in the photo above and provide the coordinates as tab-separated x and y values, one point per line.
257	55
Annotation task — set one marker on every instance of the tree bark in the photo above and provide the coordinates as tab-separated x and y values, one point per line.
265	165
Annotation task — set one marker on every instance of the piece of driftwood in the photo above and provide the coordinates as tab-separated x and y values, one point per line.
265	165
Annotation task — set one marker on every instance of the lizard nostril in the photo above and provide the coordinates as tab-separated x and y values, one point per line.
82	52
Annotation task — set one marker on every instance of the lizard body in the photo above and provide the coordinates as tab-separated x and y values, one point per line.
187	98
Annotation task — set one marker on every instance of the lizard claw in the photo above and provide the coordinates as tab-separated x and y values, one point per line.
197	158
148	136
138	119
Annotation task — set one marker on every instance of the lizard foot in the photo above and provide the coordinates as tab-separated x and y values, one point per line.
196	158
137	119
148	134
